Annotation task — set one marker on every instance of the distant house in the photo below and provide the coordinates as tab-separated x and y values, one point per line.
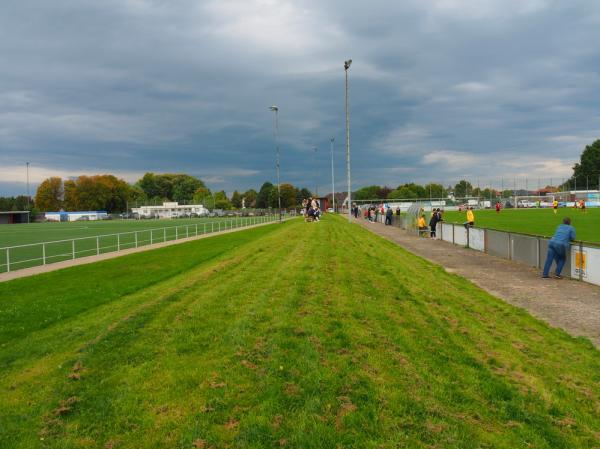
170	210
76	216
14	217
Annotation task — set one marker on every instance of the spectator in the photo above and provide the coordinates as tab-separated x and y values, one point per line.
470	218
433	221
558	247
388	216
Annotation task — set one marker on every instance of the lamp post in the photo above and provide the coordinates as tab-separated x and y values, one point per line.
275	109
346	67
332	177
28	197
316	173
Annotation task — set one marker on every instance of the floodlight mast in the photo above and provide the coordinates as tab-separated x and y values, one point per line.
316	173
332	178
275	109
347	65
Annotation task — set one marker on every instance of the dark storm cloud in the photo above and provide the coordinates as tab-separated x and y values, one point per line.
439	89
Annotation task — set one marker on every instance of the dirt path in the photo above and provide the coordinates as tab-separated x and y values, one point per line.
571	305
91	259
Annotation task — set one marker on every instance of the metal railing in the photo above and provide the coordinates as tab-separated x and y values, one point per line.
17	257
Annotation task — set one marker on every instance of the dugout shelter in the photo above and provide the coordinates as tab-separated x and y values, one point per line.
14	217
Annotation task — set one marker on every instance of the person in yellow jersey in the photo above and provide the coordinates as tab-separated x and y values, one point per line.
555	205
470	218
422	225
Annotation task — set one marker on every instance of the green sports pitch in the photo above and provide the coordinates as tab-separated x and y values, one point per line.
86	238
541	222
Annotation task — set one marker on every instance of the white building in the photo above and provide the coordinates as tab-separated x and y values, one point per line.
170	210
76	216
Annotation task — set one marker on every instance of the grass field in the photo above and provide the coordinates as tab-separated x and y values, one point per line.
97	237
535	221
297	335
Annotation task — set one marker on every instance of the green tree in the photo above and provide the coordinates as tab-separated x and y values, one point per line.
403	192
462	189
262	199
49	195
302	194
288	196
236	199
586	172
367	193
249	197
221	201
433	190
183	187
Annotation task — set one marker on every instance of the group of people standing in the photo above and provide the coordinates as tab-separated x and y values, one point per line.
311	209
436	217
372	213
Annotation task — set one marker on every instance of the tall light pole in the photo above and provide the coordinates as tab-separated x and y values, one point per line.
346	67
275	109
28	197
332	178
316	174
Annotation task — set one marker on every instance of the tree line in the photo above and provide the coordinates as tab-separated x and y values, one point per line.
112	194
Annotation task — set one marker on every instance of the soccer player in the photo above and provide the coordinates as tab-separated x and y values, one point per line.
497	207
555	205
558	247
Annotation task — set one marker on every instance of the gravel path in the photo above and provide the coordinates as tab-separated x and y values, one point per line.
569	304
91	259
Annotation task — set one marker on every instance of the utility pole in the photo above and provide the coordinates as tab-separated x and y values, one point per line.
28	197
347	65
316	173
332	178
275	109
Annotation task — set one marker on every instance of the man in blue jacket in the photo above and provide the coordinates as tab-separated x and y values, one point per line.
558	247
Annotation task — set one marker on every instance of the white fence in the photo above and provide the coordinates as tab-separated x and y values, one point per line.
35	254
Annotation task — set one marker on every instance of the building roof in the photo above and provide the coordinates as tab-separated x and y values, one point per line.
80	212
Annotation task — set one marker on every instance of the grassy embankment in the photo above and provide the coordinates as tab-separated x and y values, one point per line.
535	221
299	335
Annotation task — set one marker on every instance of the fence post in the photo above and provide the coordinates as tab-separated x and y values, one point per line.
151	236
453	234
468	233
219	226
73	248
212	227
136	239
118	242
165	233
97	245
509	247
8	260
176	232
538	252
43	254
196	229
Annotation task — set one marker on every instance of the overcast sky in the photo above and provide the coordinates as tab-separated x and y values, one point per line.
439	89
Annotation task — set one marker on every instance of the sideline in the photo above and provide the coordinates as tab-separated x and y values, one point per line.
568	304
25	272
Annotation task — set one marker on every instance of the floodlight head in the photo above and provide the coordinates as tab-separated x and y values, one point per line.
273	108
347	64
